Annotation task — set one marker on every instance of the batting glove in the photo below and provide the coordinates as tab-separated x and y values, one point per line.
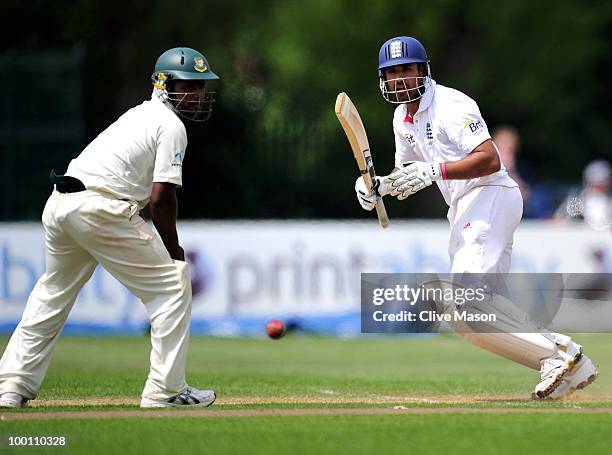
367	199
413	177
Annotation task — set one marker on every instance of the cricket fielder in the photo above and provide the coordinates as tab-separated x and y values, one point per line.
92	217
440	136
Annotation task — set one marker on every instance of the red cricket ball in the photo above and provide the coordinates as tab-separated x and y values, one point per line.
275	329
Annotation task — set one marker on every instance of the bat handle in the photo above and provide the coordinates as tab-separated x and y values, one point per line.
382	213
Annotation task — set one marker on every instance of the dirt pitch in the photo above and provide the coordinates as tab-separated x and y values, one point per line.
451	404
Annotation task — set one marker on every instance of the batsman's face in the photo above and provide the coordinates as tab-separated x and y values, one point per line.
403	80
408	70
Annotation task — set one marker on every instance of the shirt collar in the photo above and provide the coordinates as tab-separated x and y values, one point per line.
426	100
427	96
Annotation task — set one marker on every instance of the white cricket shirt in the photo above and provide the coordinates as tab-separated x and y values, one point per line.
447	127
145	145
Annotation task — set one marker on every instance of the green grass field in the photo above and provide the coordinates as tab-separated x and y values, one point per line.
316	395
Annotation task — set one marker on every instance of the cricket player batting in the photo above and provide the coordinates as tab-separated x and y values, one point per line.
441	137
92	217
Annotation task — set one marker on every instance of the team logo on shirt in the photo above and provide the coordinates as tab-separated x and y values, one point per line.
199	66
474	126
429	133
409	137
177	159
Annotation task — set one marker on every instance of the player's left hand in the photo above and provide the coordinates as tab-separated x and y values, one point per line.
367	199
413	177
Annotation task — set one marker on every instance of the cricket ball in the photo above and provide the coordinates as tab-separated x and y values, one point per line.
275	329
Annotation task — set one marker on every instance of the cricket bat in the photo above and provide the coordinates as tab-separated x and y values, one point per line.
355	132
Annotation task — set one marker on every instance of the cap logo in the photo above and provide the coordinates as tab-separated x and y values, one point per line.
199	66
396	49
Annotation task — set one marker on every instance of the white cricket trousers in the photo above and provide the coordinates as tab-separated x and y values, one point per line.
482	229
482	233
81	230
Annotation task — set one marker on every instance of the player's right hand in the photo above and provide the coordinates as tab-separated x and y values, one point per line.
367	199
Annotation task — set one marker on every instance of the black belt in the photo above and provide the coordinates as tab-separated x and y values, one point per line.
65	183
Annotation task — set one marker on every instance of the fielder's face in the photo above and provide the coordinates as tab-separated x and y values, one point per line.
188	94
405	82
191	100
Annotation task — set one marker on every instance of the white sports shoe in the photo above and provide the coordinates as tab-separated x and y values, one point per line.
583	374
13	400
554	369
188	397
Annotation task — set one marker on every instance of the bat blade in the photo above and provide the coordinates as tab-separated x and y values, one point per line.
349	118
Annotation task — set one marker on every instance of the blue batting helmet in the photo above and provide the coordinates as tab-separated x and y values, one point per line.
400	50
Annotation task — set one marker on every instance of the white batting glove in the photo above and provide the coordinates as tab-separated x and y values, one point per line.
367	199
415	176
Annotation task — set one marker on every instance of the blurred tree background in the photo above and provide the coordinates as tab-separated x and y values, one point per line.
273	148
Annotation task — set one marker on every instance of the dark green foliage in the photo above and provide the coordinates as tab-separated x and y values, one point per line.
273	147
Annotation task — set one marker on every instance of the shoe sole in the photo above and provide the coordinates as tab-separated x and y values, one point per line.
164	404
581	385
588	381
571	364
585	383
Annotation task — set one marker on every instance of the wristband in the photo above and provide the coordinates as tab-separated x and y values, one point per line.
435	171
443	170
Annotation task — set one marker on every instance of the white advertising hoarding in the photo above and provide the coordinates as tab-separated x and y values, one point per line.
246	272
